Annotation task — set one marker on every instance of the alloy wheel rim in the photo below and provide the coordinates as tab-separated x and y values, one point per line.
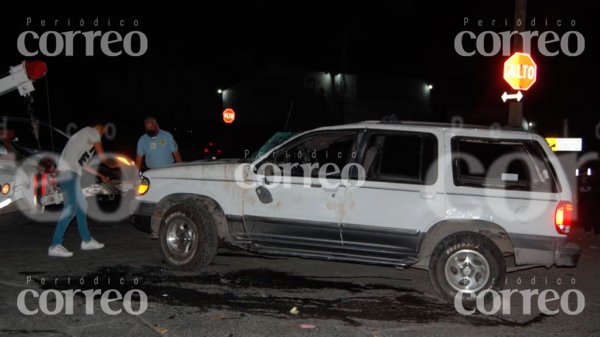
181	238
467	271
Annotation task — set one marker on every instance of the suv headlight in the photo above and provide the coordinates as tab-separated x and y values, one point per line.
125	161
5	188
143	186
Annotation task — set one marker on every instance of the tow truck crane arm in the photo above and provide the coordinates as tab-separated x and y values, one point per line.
22	76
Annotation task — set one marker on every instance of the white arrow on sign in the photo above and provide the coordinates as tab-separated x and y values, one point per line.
506	96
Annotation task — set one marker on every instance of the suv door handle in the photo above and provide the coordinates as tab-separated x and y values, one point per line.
325	188
427	195
330	188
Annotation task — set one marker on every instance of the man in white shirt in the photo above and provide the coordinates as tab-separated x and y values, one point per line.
76	155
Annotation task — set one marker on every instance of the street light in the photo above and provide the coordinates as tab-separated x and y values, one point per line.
219	91
430	86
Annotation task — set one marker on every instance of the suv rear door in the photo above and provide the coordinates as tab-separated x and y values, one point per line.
401	196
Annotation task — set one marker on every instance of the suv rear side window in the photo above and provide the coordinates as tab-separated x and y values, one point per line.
401	158
502	164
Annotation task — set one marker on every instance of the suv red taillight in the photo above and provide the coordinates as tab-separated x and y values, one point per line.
563	216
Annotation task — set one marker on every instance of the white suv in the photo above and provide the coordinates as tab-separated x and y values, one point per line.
462	203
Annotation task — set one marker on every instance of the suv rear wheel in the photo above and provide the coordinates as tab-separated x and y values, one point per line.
466	262
188	237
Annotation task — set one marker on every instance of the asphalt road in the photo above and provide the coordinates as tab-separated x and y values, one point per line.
242	294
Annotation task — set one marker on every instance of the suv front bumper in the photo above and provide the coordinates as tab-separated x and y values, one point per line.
141	216
545	250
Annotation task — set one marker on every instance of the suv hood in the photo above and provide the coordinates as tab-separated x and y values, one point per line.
223	169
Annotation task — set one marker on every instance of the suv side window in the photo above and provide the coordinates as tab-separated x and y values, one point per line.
502	164
401	157
317	150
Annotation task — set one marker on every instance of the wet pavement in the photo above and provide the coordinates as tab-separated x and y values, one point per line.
242	294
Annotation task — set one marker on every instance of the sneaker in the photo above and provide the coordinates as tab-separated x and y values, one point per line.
91	245
59	251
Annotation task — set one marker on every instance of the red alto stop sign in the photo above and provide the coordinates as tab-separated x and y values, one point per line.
520	72
228	116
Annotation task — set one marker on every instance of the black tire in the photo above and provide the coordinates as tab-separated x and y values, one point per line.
462	244
12	220
188	219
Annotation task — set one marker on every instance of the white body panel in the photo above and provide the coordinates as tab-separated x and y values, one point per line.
406	207
398	205
215	181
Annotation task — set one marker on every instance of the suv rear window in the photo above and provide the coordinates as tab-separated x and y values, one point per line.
502	164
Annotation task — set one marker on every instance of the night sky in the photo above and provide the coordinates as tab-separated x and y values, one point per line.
193	51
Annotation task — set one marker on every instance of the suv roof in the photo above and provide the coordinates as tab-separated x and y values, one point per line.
403	125
446	125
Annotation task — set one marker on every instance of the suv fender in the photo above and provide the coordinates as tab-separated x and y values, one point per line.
443	229
202	201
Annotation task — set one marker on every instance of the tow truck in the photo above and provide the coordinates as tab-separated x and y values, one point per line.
28	181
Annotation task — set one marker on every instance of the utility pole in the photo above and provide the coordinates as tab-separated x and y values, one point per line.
515	109
342	85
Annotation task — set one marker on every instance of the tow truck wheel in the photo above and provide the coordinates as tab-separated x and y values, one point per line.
468	263
188	237
12	220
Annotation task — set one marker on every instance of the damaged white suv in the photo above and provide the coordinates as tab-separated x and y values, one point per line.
463	203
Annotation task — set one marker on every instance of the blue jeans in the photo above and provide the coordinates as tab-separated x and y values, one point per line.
75	206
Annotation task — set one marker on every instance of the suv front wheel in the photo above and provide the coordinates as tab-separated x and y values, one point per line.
468	263
188	237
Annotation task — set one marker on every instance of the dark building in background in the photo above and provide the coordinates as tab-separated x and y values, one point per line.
295	99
